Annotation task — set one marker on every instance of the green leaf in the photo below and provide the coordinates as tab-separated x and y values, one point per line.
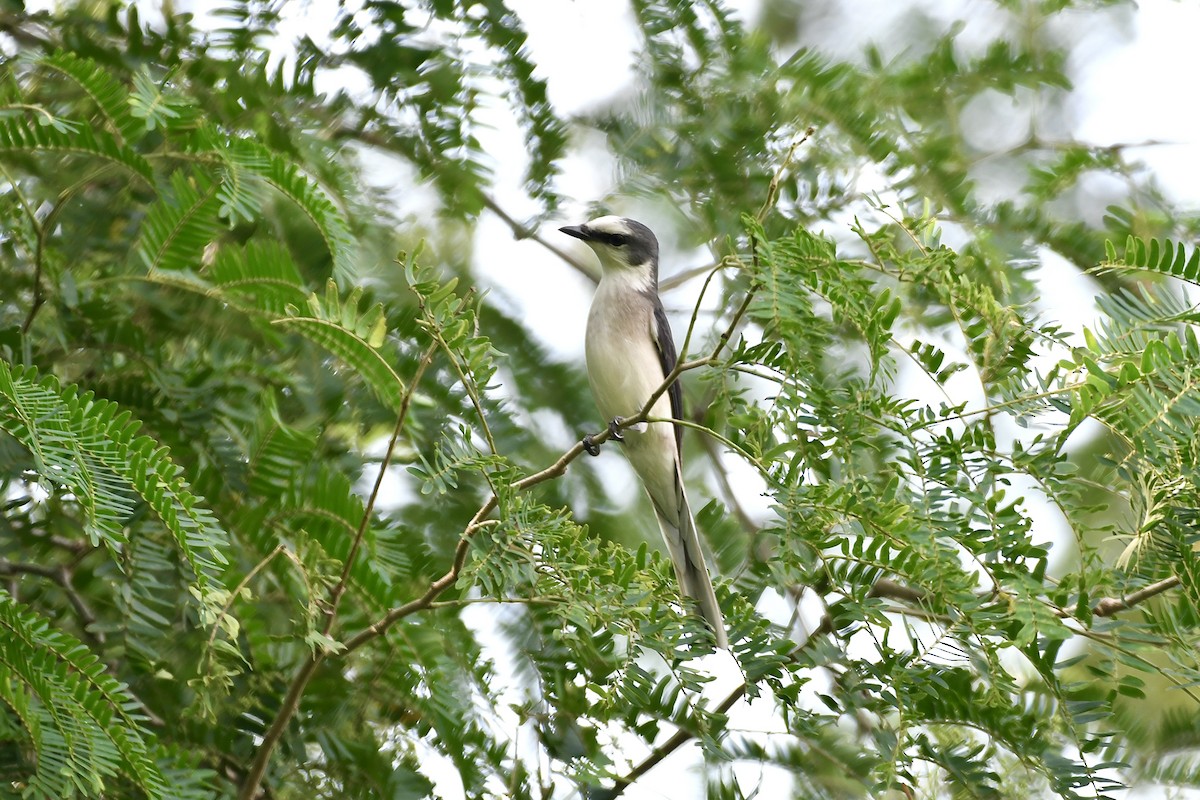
317	204
343	329
91	447
1157	255
18	136
84	727
109	95
180	225
261	275
149	103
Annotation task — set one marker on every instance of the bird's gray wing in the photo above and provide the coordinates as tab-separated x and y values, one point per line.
677	523
665	344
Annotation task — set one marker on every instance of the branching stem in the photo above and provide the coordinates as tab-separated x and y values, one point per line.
291	701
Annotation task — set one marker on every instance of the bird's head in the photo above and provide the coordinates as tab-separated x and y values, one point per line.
621	244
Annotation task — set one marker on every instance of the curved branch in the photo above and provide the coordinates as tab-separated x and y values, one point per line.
291	701
668	747
555	470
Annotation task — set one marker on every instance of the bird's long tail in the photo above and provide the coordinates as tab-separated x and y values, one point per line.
683	542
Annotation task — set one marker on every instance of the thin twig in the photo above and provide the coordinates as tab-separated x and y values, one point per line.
1108	606
686	345
291	701
63	575
468	383
680	278
233	596
523	232
520	231
773	188
340	589
668	747
41	228
25	568
380	627
492	601
731	499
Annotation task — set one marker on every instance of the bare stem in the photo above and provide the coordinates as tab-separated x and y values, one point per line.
291	701
555	470
435	588
233	596
668	747
773	188
468	383
64	576
523	232
1108	606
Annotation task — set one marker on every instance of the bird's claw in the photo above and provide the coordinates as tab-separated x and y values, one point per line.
614	432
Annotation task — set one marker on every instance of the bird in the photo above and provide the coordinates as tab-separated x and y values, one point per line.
630	352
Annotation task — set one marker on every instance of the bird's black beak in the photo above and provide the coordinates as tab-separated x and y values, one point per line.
575	230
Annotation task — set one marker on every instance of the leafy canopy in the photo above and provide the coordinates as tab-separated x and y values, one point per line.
286	513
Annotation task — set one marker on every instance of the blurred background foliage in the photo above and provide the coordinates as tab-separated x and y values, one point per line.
956	541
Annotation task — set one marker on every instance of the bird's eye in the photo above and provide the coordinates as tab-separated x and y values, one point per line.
618	239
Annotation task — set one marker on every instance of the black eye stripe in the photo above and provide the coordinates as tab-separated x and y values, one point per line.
614	239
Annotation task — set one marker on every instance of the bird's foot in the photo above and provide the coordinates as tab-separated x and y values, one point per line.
614	432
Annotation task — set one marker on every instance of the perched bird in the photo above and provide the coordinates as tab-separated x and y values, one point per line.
630	352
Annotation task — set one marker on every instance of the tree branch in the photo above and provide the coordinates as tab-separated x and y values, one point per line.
668	747
63	576
24	568
291	701
773	188
43	229
519	230
523	232
882	588
555	470
896	591
478	521
436	587
468	383
1108	606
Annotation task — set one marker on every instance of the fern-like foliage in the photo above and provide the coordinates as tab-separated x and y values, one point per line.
324	508
313	201
1139	372
545	133
352	334
180	225
262	276
109	95
1156	255
20	136
83	727
928	602
92	448
242	184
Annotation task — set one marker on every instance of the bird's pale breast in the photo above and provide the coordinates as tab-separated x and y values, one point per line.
623	363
